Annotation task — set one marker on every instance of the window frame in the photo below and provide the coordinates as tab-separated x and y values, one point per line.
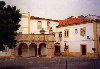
83	31
76	31
60	34
39	25
48	25
66	33
54	34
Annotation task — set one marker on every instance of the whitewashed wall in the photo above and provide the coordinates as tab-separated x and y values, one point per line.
74	40
7	53
33	26
23	23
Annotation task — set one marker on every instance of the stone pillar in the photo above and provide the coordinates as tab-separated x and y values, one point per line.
37	49
50	50
28	44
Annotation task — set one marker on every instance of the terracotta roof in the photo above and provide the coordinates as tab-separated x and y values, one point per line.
71	21
38	18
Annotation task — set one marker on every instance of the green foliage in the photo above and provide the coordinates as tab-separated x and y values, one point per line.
9	24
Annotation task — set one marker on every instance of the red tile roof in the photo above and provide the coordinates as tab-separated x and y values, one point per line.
71	21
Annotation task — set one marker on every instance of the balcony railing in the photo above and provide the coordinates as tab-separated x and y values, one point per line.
35	37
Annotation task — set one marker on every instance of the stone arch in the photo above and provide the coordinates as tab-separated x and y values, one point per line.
42	51
32	50
23	50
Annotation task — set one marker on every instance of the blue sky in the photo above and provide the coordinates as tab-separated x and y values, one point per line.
57	9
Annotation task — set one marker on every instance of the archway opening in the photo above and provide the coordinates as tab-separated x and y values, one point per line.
23	50
42	51
57	50
33	50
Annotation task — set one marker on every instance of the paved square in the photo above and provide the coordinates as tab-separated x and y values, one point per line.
50	63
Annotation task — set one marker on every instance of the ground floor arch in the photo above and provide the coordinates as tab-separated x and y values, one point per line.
23	50
32	50
35	49
42	50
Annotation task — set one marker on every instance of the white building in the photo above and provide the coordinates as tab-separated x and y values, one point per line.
72	36
32	41
33	25
79	37
76	36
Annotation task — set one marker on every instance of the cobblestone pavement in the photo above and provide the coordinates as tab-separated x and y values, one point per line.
50	63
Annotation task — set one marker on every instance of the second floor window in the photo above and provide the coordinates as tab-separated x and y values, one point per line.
60	34
66	33
54	34
76	31
83	31
48	25
39	25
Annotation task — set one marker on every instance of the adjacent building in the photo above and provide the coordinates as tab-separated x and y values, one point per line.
79	37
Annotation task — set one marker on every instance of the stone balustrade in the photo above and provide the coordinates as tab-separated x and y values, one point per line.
36	37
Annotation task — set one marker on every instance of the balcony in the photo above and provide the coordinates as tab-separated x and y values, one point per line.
36	37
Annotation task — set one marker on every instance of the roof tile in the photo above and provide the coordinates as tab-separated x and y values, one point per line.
70	21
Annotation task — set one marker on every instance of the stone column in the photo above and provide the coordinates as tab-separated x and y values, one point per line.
52	50
28	44
37	49
49	48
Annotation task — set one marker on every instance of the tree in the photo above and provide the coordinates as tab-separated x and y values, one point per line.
9	24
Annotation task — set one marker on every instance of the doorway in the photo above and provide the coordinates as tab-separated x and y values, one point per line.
42	52
57	50
33	50
23	50
83	49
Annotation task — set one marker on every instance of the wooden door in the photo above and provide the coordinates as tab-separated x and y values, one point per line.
57	50
83	47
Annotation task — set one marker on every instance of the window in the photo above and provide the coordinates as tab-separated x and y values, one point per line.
76	31
66	33
83	31
60	34
66	48
48	25
39	25
54	34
